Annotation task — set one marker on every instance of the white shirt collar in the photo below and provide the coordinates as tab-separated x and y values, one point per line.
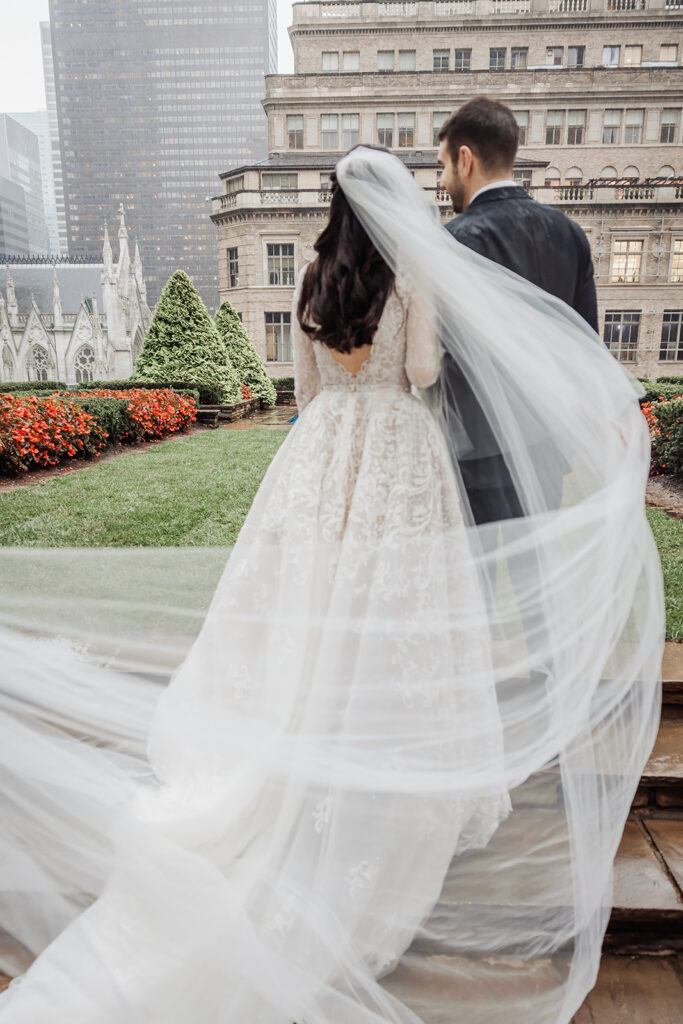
503	183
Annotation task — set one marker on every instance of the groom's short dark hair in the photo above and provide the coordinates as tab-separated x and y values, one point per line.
489	129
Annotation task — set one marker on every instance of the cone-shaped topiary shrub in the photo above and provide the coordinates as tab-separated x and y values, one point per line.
243	355
183	343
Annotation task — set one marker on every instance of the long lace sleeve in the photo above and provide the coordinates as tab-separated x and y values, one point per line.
306	373
423	353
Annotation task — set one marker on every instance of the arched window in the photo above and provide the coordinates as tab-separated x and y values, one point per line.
552	177
633	173
84	364
608	173
665	172
7	364
38	363
574	176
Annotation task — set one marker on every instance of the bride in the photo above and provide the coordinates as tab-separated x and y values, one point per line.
359	799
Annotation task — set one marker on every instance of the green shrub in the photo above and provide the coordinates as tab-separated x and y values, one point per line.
111	414
667	436
283	383
183	344
655	391
31	387
204	394
243	355
677	380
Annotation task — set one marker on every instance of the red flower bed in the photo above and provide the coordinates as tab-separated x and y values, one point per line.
247	393
39	432
666	433
153	413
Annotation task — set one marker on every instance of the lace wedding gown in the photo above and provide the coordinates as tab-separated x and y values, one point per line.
285	852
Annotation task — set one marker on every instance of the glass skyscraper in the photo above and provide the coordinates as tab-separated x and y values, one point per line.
154	99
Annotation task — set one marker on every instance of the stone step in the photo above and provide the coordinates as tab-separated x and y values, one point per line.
672	674
636	990
662	781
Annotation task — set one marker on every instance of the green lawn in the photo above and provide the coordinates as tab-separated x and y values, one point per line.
192	491
195	491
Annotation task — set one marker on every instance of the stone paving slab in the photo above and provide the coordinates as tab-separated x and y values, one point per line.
668	838
636	990
666	760
641	881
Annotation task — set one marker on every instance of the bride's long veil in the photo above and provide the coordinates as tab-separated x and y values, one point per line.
302	827
574	605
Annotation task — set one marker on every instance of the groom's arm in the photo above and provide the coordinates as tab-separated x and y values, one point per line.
585	299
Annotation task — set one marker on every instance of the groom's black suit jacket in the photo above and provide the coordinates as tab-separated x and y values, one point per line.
541	244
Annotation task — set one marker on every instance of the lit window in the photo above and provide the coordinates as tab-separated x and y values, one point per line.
626	262
677	260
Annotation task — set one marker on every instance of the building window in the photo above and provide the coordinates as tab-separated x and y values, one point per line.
554	128
295	131
385	130
439	119
610	56
576	127
633	56
280	263
276	181
279	337
633	129
441	60
522	119
668	53
235	185
329	129
626	261
351	60
497	59
576	56
677	260
406	129
325	181
523	179
233	267
463	60
519	58
671	346
406	60
611	128
621	333
330	61
385	60
39	363
671	118
84	364
552	177
350	130
554	55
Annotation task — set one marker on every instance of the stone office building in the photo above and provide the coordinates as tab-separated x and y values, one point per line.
596	86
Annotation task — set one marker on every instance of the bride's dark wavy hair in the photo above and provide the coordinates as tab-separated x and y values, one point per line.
344	290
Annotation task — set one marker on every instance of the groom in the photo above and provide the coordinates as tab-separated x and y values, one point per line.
499	220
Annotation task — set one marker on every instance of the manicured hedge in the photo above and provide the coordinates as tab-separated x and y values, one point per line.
283	383
40	432
659	390
665	420
31	386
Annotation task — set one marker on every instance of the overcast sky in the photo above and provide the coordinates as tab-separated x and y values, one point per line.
21	63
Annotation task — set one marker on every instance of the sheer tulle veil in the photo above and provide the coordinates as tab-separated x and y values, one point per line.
138	861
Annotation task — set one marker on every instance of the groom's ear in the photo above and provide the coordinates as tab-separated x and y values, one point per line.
466	160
